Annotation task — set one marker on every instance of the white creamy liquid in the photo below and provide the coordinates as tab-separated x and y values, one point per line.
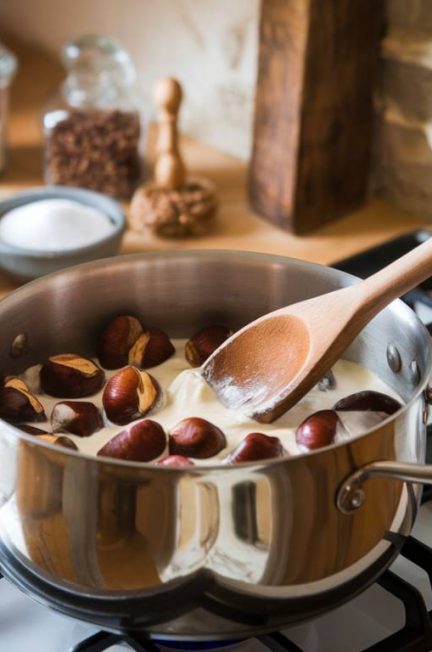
186	394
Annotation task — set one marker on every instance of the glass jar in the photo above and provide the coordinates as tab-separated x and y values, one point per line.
8	66
92	126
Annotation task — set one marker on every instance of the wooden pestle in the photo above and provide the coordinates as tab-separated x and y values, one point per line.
169	169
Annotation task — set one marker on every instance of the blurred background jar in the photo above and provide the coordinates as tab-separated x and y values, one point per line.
92	126
8	66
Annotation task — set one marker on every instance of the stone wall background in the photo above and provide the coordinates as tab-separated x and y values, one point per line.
403	147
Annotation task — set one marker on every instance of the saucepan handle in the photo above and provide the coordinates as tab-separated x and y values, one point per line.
351	495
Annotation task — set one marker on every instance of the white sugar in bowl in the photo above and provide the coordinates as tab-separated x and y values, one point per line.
46	229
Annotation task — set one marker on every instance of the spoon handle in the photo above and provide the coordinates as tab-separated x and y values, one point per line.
393	281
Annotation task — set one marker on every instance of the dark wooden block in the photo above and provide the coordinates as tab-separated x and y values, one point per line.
314	109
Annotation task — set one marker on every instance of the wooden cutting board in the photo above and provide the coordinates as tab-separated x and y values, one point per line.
314	109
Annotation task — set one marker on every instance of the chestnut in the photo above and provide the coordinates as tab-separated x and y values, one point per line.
77	417
368	401
17	383
116	340
256	446
175	461
151	349
70	376
196	437
18	404
65	442
201	345
32	430
317	430
130	394
142	441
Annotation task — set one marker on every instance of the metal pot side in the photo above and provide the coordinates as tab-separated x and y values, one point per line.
270	536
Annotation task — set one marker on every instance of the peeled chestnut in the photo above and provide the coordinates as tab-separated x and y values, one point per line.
18	404
318	430
195	437
151	349
70	376
201	345
257	446
116	340
129	395
175	461
142	441
77	417
368	401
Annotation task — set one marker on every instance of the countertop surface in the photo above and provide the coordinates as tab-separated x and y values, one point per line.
236	226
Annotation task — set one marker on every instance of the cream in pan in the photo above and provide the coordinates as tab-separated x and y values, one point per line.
186	394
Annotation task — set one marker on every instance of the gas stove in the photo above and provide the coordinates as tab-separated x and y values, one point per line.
394	614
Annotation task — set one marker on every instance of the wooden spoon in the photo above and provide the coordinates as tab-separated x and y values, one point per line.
267	366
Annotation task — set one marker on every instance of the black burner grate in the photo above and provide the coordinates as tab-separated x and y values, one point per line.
101	641
415	636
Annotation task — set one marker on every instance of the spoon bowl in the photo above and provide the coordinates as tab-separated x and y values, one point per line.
270	364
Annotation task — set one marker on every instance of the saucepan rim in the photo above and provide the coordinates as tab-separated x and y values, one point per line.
204	469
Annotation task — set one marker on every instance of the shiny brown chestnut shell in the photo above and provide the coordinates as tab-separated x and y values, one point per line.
129	395
18	404
116	340
62	441
368	401
32	430
151	348
68	375
201	345
142	441
197	438
255	447
80	418
317	430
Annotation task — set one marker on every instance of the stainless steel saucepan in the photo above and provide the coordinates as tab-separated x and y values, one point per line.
208	552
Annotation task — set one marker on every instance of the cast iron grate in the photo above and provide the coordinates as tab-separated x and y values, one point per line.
101	641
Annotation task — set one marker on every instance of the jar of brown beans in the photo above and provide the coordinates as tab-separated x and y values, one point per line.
92	126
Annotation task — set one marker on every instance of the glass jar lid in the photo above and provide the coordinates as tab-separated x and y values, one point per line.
100	71
8	66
